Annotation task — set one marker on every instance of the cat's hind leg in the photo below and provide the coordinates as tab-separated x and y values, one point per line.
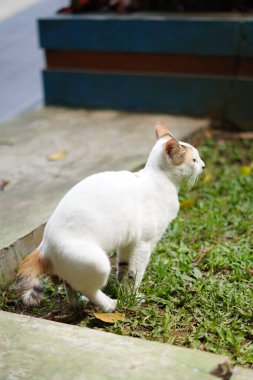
86	268
100	299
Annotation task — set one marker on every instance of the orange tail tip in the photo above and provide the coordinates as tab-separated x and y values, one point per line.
28	283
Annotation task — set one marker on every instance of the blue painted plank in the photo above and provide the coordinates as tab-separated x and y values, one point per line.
246	49
239	103
201	36
187	95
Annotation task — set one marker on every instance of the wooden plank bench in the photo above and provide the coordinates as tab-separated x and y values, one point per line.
199	66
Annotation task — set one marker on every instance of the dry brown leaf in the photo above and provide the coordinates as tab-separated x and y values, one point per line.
208	133
110	317
187	203
3	183
58	155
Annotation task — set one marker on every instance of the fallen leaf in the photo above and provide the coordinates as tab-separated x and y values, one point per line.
187	203
58	155
3	183
207	178
208	133
109	317
245	170
251	271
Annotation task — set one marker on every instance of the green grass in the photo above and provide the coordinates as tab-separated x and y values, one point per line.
197	291
198	288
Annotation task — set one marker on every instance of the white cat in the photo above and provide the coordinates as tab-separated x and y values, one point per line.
112	211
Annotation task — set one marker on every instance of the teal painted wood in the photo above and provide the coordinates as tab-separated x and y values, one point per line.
188	95
246	49
149	34
239	107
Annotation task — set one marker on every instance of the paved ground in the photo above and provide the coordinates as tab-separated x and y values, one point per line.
93	140
37	349
21	59
32	348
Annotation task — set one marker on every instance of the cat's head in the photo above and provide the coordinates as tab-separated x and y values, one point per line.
182	159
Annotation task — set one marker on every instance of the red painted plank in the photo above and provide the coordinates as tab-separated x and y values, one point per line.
246	67
141	62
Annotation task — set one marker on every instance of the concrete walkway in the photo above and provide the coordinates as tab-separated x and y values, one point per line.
92	140
38	349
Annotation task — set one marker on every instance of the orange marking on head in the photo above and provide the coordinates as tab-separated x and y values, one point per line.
188	155
175	151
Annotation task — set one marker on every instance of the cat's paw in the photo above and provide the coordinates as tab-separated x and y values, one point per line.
84	299
110	306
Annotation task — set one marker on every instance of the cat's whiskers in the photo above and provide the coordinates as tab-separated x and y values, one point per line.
192	180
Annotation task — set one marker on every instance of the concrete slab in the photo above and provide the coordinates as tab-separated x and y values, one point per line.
93	140
38	349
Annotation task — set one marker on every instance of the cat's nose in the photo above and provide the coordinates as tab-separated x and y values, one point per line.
203	166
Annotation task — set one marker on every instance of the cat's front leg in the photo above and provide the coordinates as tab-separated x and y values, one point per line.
138	262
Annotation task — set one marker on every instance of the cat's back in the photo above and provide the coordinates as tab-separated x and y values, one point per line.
105	184
100	194
95	207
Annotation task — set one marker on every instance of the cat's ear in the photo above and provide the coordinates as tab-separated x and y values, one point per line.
161	130
175	151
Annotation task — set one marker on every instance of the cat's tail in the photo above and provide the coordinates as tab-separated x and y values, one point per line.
28	283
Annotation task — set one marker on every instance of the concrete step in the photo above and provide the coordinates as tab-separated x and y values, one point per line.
32	348
94	141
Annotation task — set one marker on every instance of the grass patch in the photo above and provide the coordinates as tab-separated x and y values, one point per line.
197	291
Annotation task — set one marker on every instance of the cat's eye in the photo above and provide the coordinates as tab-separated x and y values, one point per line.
194	160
